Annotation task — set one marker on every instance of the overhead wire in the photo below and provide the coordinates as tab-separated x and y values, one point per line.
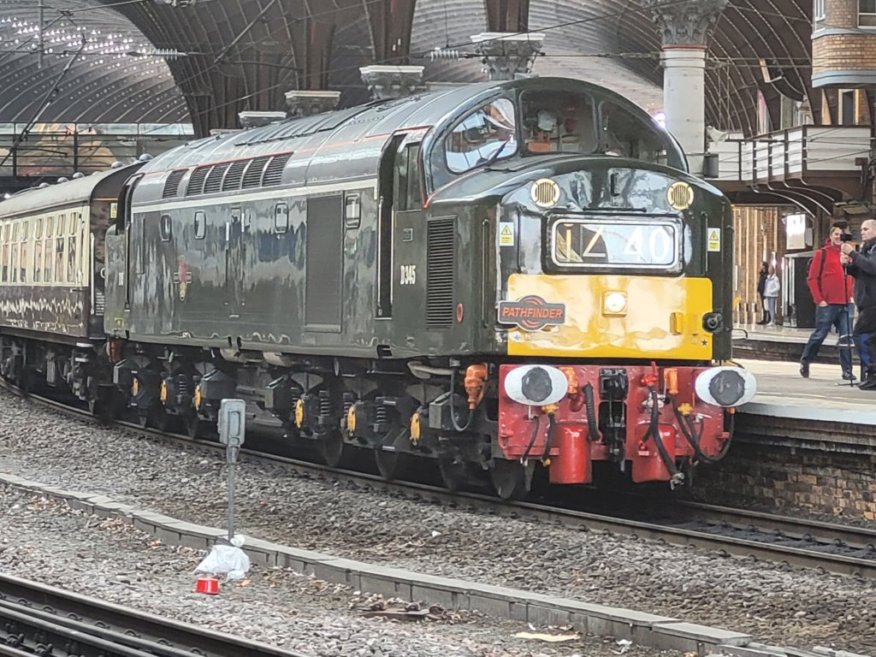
397	58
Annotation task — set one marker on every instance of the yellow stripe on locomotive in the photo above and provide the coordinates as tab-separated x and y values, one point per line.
611	316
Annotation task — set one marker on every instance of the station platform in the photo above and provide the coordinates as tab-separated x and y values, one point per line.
822	411
781	343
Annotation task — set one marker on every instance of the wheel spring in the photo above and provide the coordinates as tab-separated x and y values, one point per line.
381	419
184	391
325	408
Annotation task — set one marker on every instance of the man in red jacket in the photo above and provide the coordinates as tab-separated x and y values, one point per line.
832	292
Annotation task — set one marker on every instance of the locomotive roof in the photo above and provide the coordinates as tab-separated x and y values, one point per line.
303	136
342	144
72	192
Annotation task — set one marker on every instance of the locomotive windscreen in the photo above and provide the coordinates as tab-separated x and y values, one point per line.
558	122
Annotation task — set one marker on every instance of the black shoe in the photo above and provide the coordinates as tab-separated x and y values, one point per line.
848	376
804	370
869	384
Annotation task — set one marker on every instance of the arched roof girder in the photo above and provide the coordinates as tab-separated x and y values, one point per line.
83	91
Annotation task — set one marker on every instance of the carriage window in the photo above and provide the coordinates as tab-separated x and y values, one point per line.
626	135
38	254
13	247
487	134
558	122
48	250
200	225
165	228
4	254
281	218
24	258
71	257
59	256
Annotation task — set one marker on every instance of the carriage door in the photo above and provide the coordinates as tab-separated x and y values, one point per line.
235	254
400	228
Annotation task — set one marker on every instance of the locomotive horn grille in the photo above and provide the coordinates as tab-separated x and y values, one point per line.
680	196
545	193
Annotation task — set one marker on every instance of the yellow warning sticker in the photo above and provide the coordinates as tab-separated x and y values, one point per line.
714	240
506	233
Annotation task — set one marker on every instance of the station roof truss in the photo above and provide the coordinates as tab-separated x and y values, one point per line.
87	65
227	56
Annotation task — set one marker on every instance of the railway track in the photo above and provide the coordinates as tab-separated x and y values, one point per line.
36	619
829	547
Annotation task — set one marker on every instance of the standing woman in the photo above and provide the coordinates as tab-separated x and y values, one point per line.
772	286
761	286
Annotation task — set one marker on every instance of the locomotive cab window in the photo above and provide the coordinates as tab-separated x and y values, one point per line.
166	228
489	133
407	179
626	135
281	218
558	122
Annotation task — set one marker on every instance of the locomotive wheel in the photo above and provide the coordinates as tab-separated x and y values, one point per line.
331	448
509	479
454	474
387	463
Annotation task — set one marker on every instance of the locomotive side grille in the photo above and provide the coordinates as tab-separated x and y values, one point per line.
213	183
196	182
171	185
440	266
274	172
234	177
255	170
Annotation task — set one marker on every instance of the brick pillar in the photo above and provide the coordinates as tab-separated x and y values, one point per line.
685	28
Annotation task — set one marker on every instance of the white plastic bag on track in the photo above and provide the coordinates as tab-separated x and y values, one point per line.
228	560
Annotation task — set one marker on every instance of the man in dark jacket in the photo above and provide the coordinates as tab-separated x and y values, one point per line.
831	291
761	287
862	265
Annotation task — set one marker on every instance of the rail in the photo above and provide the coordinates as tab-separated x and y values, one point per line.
36	619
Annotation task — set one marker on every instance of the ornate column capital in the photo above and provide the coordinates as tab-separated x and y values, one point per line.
508	54
685	23
306	103
386	81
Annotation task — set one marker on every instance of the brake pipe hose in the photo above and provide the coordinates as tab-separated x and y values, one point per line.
654	432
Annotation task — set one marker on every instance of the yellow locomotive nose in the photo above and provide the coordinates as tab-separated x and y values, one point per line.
615	316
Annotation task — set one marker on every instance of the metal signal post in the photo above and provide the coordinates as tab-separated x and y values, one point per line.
232	431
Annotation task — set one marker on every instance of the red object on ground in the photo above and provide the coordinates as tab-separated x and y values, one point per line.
207	585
